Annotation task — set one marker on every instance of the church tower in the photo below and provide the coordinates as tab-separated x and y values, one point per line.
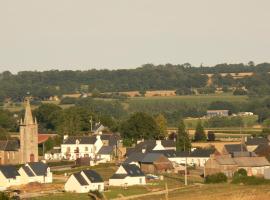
28	136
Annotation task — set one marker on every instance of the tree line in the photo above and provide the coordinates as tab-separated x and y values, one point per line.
183	78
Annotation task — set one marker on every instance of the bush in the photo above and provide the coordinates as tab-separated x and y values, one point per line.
240	173
216	178
211	136
250	180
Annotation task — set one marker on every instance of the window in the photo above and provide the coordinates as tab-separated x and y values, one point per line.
68	149
13	155
86	149
8	155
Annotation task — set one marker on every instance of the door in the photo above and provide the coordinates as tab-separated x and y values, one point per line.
32	158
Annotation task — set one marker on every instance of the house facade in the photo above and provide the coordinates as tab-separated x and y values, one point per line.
81	146
255	166
84	181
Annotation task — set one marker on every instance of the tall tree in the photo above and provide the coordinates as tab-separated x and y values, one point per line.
139	126
161	122
199	132
182	140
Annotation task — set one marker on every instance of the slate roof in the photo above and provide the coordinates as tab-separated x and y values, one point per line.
251	161
202	153
167	153
230	148
149	145
225	161
9	171
81	139
119	176
28	171
80	178
93	176
135	157
132	170
256	141
106	150
39	168
151	157
9	145
112	138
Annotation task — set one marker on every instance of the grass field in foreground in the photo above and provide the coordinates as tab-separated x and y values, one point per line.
217	192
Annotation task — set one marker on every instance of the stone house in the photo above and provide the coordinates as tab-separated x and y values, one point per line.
156	163
228	165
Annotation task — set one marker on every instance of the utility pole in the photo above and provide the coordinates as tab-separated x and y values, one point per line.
185	164
91	123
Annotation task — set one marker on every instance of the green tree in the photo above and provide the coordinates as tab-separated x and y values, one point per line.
199	132
162	126
139	126
182	140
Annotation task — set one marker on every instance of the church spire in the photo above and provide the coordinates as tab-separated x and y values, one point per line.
28	118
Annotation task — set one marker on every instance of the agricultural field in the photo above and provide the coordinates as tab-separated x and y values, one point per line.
192	98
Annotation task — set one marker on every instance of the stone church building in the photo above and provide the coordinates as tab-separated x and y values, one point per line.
26	149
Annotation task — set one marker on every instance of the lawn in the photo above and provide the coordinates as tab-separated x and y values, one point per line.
64	196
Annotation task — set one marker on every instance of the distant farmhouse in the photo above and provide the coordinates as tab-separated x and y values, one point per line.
217	113
25	150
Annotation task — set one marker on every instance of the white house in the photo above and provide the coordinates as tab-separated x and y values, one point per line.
82	146
9	176
127	175
35	172
84	181
30	172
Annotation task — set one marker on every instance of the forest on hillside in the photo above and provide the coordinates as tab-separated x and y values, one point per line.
148	77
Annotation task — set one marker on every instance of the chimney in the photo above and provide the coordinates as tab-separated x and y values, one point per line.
65	137
143	150
158	142
98	137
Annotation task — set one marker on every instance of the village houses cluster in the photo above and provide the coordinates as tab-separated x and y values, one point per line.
135	164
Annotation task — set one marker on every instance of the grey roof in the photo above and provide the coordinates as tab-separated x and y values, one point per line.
243	154
256	141
251	161
80	178
81	139
167	153
132	170
106	150
235	148
39	168
93	176
202	153
135	157
28	171
151	157
9	171
118	176
111	138
149	145
9	145
225	161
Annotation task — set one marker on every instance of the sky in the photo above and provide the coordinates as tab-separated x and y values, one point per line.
84	34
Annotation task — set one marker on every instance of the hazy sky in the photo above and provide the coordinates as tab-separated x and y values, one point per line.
83	34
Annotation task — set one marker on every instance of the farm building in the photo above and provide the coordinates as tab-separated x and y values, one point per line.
228	165
217	113
156	163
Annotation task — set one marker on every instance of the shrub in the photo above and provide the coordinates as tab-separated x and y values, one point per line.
250	180
216	178
240	173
